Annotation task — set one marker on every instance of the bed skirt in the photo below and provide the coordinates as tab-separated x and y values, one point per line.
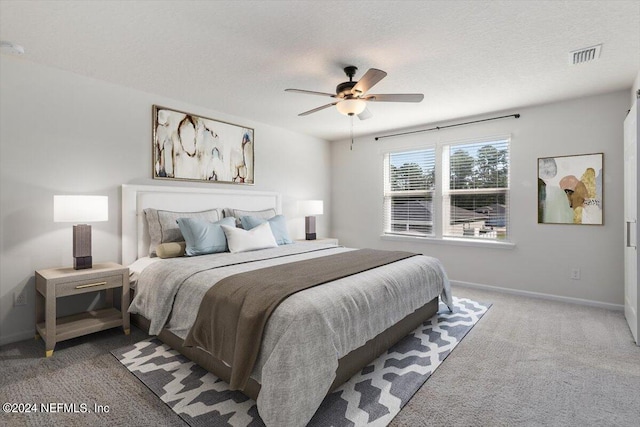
348	365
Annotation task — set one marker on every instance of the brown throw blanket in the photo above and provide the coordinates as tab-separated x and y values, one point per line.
233	313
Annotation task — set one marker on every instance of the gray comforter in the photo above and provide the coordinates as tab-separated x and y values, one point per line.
331	320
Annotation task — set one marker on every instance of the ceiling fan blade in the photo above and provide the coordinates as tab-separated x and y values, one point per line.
366	114
310	92
395	97
366	82
306	113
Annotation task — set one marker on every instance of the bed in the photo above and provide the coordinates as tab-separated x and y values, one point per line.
314	341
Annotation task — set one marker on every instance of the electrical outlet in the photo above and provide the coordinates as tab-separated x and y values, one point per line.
575	273
20	298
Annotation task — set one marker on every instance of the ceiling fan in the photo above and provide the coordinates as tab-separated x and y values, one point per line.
352	96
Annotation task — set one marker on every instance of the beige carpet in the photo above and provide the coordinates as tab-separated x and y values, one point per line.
537	363
528	362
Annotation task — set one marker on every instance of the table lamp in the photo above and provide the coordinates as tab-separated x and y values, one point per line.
81	209
310	208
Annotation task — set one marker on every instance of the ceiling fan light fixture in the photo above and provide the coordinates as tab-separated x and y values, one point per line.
350	107
11	48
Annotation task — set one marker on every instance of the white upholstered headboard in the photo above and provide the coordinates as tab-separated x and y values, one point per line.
136	198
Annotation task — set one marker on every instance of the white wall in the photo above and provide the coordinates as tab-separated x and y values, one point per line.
61	133
544	254
635	88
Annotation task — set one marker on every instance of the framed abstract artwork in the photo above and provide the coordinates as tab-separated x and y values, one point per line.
570	189
193	148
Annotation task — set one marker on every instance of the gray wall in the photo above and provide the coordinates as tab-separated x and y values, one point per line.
61	133
543	255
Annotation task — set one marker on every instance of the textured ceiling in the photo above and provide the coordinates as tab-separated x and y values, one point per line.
237	57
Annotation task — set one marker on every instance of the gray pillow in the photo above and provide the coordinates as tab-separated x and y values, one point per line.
239	213
163	227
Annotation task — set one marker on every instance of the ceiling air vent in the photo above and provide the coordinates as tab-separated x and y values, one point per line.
586	54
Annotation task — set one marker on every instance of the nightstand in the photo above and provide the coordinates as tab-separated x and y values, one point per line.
326	240
54	283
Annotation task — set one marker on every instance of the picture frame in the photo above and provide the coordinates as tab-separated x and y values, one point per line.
188	147
571	190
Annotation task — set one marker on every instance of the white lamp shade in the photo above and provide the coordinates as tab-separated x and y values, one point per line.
80	208
310	207
349	107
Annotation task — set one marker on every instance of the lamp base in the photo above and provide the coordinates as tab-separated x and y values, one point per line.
82	262
82	247
310	227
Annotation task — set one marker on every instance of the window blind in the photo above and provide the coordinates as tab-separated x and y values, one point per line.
409	183
476	190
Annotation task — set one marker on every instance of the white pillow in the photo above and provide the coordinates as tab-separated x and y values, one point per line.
240	240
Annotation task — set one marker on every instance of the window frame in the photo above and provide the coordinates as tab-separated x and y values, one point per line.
389	194
439	196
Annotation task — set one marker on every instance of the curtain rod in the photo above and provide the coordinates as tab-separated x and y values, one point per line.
517	116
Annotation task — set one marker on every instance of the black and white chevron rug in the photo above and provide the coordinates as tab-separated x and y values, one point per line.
371	398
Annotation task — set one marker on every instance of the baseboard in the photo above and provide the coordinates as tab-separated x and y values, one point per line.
609	306
20	336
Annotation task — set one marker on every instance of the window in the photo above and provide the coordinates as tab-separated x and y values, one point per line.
471	201
475	190
408	193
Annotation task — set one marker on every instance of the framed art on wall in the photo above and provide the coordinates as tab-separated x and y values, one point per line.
570	189
194	148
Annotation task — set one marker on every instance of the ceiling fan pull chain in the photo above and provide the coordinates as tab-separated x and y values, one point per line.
351	132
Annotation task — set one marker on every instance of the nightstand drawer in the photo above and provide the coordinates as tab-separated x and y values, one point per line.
88	285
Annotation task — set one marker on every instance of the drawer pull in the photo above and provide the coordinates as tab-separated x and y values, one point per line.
90	285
